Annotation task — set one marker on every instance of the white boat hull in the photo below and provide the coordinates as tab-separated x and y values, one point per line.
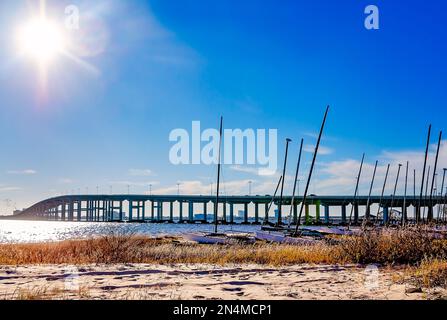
279	237
328	230
204	238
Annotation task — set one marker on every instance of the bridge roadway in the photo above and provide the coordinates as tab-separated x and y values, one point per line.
149	208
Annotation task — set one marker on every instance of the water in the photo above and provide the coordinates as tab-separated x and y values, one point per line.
45	231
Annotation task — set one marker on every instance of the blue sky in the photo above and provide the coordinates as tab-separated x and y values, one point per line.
152	66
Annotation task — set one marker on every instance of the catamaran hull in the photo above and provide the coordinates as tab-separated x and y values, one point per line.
205	239
278	237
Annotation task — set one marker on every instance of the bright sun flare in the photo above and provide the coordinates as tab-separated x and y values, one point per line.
41	40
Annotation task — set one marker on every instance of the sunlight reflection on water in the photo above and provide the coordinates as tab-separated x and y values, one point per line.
43	231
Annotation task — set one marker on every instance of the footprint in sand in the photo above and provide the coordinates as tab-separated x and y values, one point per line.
232	289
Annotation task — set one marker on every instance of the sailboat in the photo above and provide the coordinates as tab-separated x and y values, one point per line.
216	237
287	234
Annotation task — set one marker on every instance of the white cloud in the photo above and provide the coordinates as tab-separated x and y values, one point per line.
25	172
265	172
245	169
134	183
339	177
9	189
322	150
140	172
233	187
66	181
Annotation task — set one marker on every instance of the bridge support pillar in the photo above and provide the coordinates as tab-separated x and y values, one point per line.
307	215
356	214
205	213
266	212
295	213
130	218
87	210
191	211
180	211
317	211
256	213
79	210
367	212
343	214
64	212
160	211
152	211
231	212
171	211
225	212
326	214
71	211
430	213
92	210
385	215
245	213
121	210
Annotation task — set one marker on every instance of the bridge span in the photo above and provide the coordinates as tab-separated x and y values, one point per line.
195	209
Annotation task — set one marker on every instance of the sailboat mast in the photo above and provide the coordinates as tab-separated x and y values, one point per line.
356	188
442	194
274	195
383	191
282	183
430	209
370	191
404	207
216	206
418	213
426	193
295	181
311	170
394	191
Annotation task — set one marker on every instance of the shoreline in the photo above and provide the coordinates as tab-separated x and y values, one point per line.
205	281
389	264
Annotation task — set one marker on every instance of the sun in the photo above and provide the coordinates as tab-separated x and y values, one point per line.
41	40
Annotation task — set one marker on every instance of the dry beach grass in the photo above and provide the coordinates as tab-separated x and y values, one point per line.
408	246
412	254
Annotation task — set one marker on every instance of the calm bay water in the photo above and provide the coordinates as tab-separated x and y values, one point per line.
43	231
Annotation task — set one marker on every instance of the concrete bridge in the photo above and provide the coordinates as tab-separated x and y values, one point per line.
183	209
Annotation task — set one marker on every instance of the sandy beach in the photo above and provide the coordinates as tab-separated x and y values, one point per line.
200	281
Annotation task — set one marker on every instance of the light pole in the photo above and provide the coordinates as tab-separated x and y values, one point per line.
150	189
111	190
178	188
249	187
